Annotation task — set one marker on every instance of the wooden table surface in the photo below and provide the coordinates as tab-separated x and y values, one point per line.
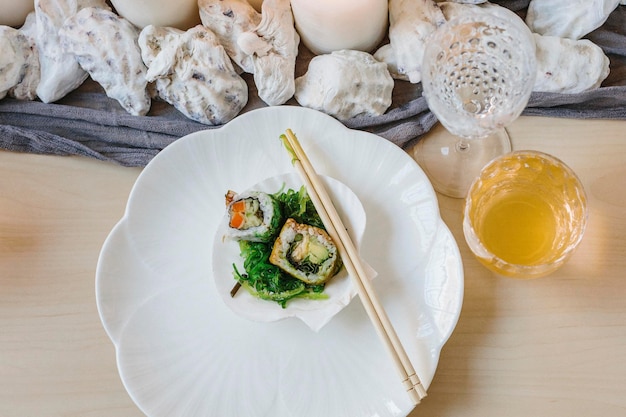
554	346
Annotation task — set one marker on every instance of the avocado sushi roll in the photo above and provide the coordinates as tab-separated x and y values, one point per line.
305	252
254	216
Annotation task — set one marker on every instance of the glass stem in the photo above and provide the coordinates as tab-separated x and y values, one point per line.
463	145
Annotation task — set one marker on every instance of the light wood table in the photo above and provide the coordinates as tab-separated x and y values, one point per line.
555	346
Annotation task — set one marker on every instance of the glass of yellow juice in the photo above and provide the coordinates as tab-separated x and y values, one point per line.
525	214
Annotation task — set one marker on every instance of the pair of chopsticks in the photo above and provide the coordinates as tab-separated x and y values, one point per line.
352	261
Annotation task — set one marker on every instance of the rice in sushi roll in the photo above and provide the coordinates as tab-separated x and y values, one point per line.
254	216
306	253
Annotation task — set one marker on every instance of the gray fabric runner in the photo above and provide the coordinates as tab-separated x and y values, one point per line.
86	122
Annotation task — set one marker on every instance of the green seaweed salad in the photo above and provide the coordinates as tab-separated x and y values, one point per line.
265	280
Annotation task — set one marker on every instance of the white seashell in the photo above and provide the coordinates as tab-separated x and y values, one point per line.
346	84
11	58
387	55
569	66
273	47
60	72
26	88
452	10
571	19
228	19
410	24
29	28
19	62
193	73
105	45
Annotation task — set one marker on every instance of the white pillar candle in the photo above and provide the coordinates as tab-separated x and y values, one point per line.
181	14
14	12
330	25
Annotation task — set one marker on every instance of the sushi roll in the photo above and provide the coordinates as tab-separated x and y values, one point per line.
254	216
305	252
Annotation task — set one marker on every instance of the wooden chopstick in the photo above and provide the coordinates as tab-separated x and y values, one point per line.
352	261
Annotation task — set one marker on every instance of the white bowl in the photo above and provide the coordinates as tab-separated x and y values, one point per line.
315	313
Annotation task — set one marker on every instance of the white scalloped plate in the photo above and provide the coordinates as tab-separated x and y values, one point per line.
182	351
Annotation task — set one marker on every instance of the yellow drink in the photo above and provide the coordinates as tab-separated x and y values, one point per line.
519	228
525	214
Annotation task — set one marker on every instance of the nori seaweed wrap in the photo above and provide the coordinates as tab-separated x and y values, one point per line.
305	252
254	216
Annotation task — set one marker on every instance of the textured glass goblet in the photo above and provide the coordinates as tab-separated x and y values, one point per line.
477	76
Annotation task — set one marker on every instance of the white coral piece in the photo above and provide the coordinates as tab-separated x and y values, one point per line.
273	46
346	84
105	45
410	24
229	19
193	73
569	66
571	19
60	72
19	62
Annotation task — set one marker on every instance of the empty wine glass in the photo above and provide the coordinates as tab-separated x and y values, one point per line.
477	76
